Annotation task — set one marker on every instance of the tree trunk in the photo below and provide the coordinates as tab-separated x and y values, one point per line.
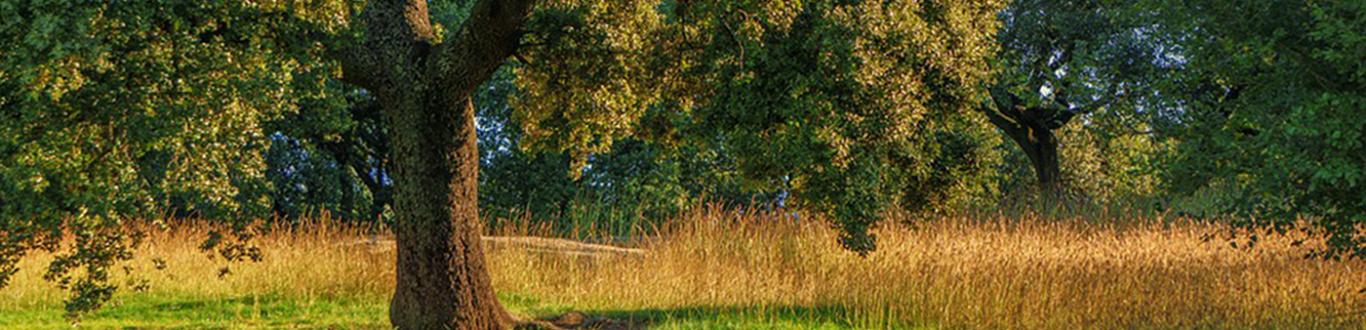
1031	132
442	281
424	91
1042	148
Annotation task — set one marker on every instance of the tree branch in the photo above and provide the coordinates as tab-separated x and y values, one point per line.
479	46
1001	111
1011	127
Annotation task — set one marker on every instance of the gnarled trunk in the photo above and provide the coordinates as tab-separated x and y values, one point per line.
442	281
424	90
1032	130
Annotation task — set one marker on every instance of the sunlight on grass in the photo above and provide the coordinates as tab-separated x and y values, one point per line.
719	269
154	310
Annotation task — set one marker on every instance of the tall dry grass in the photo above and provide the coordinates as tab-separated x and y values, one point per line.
951	272
303	263
960	273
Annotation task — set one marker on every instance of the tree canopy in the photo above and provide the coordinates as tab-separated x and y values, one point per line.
121	112
844	104
1275	120
116	113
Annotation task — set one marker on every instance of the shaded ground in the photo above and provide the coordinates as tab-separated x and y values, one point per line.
143	311
579	320
732	317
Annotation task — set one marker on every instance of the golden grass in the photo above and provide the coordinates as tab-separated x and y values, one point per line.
305	263
952	273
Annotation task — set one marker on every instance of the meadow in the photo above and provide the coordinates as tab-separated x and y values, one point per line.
713	268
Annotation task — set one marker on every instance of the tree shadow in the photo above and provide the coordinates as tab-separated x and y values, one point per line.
763	316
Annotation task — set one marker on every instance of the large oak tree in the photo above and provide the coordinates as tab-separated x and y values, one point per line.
424	90
115	111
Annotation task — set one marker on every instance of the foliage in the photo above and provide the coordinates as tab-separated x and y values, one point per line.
587	79
1275	115
834	102
630	183
1075	90
114	111
1113	169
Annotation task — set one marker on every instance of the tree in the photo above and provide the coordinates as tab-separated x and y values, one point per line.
1062	59
114	113
835	102
1273	124
424	87
113	109
424	90
330	155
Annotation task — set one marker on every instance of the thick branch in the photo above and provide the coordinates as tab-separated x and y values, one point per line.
396	34
1005	103
476	49
1010	126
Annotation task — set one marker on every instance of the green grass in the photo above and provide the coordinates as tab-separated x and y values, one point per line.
187	312
161	311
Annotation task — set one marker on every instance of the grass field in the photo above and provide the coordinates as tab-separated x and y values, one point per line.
719	269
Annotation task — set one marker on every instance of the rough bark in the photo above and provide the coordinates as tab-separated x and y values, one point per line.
424	91
442	281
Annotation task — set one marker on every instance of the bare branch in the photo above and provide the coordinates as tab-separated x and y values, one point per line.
1001	111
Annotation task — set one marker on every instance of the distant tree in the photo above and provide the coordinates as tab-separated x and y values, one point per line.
1063	59
331	155
1275	120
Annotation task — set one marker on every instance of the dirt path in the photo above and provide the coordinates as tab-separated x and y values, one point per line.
527	243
